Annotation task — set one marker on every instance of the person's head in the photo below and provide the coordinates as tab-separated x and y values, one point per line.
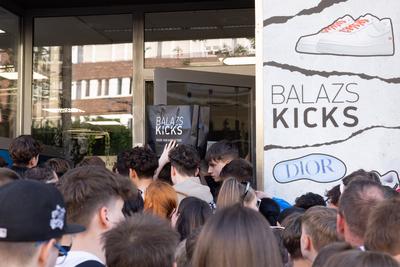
3	162
165	174
355	204
233	192
309	200
270	210
240	169
142	240
220	154
60	166
358	258
24	151
92	161
360	175
32	222
236	236
291	235
95	196
160	199
142	163
192	213
330	250
318	229
45	175
7	176
133	205
278	232
289	211
122	163
333	196
185	162
383	228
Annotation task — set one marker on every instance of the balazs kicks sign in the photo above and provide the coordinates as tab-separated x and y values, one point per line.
331	88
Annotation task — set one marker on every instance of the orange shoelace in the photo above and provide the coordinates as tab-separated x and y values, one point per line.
334	26
356	25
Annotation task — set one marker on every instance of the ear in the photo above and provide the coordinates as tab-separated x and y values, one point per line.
47	254
133	174
305	242
197	172
340	224
173	171
103	218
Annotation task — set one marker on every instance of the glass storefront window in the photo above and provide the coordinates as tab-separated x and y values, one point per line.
230	109
9	76
82	98
199	38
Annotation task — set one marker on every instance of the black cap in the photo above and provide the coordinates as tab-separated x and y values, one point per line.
33	211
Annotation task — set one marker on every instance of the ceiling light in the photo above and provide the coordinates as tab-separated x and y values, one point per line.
103	122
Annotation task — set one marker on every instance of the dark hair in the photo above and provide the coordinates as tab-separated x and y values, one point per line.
389	192
8	175
236	236
142	240
361	174
330	250
23	148
133	205
222	150
320	224
240	169
40	174
291	235
191	242
92	161
193	213
383	227
86	188
60	166
270	210
289	211
3	162
165	174
356	203
333	195
358	258
278	233
309	200
122	163
143	161
185	159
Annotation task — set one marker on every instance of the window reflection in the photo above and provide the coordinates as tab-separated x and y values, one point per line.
9	76
198	38
83	102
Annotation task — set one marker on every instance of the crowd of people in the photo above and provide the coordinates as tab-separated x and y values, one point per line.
178	210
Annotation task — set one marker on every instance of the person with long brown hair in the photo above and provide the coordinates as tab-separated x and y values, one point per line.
160	199
235	237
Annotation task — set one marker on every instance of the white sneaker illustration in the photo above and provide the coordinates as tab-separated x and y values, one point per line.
308	43
367	36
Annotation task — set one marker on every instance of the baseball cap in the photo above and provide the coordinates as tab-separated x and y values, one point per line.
33	211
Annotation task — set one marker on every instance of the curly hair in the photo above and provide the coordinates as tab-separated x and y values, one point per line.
309	200
185	159
143	161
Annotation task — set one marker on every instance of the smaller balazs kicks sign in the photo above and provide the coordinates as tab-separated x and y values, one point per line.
179	122
331	91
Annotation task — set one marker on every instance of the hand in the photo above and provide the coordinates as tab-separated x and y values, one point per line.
164	158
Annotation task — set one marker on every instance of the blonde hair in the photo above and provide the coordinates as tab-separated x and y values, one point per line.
233	192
